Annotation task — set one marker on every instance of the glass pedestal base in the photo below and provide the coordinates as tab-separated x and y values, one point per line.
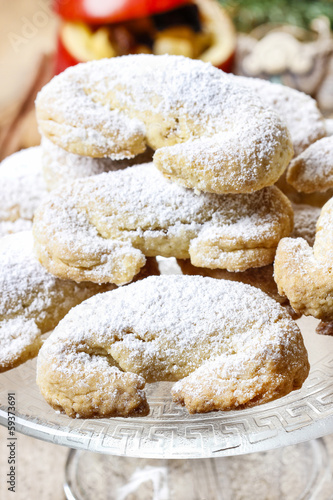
295	472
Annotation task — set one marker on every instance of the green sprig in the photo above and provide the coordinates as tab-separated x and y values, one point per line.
248	14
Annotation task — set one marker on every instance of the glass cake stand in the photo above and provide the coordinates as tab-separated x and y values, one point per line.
148	457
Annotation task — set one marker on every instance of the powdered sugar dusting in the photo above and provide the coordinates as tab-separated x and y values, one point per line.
313	170
85	120
329	126
59	166
63	232
24	282
16	336
9	227
32	300
164	328
323	246
228	149
305	220
299	111
22	187
135	206
173	99
303	274
26	294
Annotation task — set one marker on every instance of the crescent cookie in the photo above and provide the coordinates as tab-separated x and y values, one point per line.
304	274
210	132
22	188
26	176
312	171
60	167
305	219
227	344
300	112
32	301
101	228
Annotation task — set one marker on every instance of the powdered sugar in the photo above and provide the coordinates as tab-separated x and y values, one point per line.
323	246
16	336
161	100
329	126
149	202
299	111
22	187
312	171
63	232
86	120
9	227
103	9
305	220
164	328
303	274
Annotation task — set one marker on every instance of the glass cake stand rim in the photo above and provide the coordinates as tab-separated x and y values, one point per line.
169	432
56	436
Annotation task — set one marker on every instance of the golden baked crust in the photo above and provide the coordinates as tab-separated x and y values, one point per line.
32	301
227	344
304	274
305	222
312	171
101	228
210	132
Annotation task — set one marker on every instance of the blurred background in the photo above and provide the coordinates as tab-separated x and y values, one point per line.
286	41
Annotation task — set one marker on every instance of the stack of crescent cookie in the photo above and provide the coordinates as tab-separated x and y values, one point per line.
159	156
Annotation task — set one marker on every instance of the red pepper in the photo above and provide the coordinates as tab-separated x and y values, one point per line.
111	11
99	12
63	58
